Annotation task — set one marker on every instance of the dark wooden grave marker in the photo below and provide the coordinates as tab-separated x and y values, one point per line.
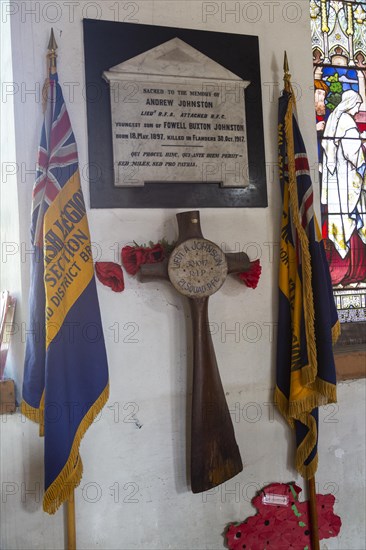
197	268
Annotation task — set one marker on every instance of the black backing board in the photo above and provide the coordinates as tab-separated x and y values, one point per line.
107	44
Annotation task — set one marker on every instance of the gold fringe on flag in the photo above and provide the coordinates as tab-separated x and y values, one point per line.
70	475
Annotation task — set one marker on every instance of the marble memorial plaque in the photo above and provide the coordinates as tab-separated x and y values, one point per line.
177	116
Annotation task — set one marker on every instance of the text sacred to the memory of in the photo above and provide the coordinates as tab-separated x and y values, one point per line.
178	132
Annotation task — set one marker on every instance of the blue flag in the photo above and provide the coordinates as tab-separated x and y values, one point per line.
66	373
308	322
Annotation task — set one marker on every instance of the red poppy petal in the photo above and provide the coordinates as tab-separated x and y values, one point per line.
132	258
156	254
252	276
110	274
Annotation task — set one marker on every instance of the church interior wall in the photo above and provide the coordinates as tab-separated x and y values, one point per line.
134	494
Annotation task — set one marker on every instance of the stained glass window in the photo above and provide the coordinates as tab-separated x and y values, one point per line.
339	54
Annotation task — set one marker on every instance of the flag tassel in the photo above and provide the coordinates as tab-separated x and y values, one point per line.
313	515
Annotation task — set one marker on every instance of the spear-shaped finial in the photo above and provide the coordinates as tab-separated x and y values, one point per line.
51	68
52	55
52	44
286	71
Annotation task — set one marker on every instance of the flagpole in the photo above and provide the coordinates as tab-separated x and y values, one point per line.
313	515
70	522
70	504
314	529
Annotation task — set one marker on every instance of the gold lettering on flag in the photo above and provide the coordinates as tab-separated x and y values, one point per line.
68	262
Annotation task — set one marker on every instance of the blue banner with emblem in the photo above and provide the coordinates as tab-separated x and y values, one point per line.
66	372
307	321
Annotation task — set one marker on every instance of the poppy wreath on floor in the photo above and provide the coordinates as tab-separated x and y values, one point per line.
282	522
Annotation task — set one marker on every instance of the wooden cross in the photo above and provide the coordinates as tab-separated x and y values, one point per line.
197	268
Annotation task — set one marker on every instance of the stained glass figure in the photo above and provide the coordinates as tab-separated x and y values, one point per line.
339	53
343	191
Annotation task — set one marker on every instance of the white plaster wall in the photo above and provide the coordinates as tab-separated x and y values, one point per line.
11	269
134	492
